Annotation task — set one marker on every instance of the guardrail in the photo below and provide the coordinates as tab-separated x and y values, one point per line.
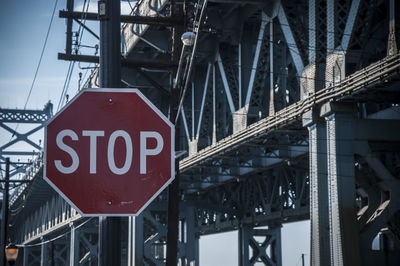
30	173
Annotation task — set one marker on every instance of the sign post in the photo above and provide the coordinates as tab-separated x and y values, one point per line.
109	77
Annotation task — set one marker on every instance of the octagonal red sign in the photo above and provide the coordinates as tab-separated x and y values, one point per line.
109	152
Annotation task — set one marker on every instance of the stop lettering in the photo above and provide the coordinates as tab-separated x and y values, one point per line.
93	134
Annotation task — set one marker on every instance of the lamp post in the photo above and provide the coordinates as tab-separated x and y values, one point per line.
11	254
188	39
4	209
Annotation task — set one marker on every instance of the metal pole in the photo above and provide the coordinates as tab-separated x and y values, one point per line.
4	218
302	259
110	77
68	44
110	44
173	189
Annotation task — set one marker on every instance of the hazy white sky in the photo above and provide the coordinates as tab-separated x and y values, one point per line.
23	27
222	249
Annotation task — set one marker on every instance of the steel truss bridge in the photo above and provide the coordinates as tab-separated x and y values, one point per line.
289	112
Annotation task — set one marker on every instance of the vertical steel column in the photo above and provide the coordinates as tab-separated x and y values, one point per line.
173	188
136	241
74	246
271	69
330	26
214	131
315	72
392	46
276	248
131	239
272	242
240	73
319	214
110	44
344	231
26	256
312	31
244	235
192	242
193	117
4	212
110	77
44	253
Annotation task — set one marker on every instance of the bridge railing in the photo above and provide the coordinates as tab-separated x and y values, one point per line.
355	83
32	171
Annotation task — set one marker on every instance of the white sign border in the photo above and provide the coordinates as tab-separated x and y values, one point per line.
154	108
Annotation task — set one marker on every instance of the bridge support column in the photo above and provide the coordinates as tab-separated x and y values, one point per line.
268	251
74	246
189	242
319	214
44	253
135	240
344	231
377	152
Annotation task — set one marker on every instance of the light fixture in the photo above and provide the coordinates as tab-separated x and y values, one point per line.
188	38
11	254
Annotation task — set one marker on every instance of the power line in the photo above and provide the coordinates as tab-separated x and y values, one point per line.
66	83
55	238
41	55
39	63
72	63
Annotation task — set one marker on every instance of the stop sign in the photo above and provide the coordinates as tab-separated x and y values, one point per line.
109	152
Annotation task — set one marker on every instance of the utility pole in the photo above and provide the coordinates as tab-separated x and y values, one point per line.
110	77
4	216
173	188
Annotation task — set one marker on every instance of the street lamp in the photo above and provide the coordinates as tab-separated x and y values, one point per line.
11	254
188	38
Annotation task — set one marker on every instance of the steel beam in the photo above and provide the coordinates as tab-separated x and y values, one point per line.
319	207
44	253
248	239
136	241
356	83
290	40
225	83
348	30
158	21
127	62
344	231
260	39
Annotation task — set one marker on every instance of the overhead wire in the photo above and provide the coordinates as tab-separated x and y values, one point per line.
53	239
64	92
63	96
67	79
39	63
41	54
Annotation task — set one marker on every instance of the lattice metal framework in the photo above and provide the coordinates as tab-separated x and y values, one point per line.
274	123
15	117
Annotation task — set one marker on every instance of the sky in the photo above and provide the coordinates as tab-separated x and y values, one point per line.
23	28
